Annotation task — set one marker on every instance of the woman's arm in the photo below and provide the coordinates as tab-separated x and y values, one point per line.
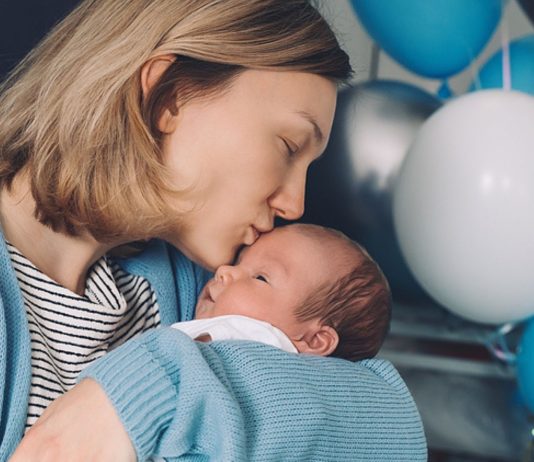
247	401
125	403
80	425
250	401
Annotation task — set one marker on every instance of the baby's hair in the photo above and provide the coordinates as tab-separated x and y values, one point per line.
357	304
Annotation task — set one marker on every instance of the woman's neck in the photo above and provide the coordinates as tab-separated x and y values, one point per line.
65	259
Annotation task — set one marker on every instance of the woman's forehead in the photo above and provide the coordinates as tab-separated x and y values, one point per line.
306	96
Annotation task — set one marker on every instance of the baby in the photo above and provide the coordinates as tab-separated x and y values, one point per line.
302	288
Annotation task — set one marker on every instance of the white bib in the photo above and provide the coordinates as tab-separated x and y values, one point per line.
238	328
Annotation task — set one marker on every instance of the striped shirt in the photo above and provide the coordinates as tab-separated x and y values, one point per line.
69	331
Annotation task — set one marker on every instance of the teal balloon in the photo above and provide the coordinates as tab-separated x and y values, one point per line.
433	38
525	366
521	68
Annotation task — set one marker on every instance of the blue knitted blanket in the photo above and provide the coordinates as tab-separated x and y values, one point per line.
245	401
223	401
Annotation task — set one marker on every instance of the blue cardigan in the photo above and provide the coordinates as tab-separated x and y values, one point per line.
226	400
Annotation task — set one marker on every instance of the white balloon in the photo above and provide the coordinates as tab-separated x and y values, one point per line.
464	206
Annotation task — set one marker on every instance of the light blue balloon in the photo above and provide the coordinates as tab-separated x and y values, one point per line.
525	366
521	68
433	38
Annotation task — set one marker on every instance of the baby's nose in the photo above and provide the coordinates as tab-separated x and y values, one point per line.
225	274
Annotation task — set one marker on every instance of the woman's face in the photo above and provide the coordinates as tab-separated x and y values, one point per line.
243	157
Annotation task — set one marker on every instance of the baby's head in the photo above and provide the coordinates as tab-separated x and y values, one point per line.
320	288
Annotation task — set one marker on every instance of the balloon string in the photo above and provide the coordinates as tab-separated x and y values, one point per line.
475	76
375	58
498	346
505	45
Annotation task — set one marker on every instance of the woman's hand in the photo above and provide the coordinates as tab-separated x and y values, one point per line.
81	425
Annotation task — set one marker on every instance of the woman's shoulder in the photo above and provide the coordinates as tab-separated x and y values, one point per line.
153	254
175	278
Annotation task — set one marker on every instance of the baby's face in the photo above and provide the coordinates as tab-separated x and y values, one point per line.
270	279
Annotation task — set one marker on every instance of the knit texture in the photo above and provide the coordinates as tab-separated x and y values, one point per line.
245	401
223	401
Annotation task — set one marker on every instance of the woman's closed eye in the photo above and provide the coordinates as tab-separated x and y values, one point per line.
291	147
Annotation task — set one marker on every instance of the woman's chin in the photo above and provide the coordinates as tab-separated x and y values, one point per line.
214	260
209	257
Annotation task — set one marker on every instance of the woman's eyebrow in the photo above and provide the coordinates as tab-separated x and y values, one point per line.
318	134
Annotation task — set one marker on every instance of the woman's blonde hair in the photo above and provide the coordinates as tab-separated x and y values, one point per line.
72	115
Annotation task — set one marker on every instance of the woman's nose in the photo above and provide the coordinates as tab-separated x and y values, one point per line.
288	201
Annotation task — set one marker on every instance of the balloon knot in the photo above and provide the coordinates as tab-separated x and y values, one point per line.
444	91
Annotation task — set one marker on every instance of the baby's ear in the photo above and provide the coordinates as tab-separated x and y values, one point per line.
319	340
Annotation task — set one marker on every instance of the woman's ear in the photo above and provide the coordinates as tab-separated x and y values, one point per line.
151	72
319	339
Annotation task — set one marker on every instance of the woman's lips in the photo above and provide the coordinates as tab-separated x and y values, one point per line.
252	236
256	233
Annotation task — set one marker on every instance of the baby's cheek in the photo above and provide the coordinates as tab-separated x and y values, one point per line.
240	302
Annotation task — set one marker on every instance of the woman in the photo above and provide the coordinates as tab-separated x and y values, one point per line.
193	122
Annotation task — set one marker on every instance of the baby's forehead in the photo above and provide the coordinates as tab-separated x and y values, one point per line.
339	251
332	247
323	237
271	246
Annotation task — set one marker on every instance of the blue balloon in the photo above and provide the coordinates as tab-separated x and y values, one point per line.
433	38
525	366
521	68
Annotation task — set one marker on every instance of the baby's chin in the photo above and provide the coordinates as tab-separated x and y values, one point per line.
199	310
204	308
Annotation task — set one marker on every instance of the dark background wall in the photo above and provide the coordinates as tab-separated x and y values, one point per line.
22	25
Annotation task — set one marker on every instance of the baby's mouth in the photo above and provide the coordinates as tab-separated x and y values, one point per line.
205	301
208	294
